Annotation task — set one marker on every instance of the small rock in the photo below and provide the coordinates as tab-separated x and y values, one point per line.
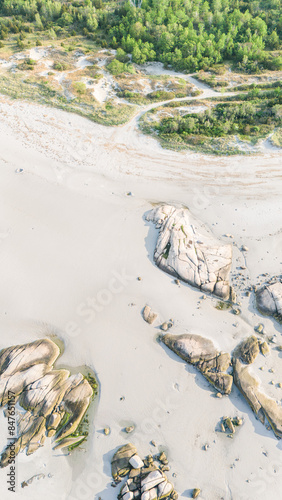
236	311
163	457
177	282
136	462
237	421
196	492
153	443
219	395
165	468
139	278
228	423
164	327
107	431
129	429
259	328
148	315
264	348
244	248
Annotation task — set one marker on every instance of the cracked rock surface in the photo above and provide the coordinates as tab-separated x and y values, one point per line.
54	400
264	407
184	252
201	353
269	300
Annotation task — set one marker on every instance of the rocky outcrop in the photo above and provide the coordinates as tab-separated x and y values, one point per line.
201	353
191	256
146	480
54	400
264	407
269	300
247	350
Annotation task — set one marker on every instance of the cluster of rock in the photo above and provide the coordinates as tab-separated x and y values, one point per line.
146	479
201	353
189	255
269	300
54	400
229	425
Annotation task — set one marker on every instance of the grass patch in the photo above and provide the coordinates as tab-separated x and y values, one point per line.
223	306
39	90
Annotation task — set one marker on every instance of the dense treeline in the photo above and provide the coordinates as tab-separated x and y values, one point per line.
196	34
46	13
188	34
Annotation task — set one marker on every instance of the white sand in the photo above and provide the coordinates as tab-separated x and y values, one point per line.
67	227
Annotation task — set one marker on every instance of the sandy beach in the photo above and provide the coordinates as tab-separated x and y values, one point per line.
73	240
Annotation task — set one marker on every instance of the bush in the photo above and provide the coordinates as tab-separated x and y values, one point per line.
116	67
60	66
122	56
161	95
79	87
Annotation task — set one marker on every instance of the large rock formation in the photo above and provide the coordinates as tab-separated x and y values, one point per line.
184	252
55	401
146	480
264	407
247	350
201	353
269	300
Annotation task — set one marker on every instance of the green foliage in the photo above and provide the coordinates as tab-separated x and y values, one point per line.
79	87
196	34
161	95
189	35
122	56
60	66
117	68
250	116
